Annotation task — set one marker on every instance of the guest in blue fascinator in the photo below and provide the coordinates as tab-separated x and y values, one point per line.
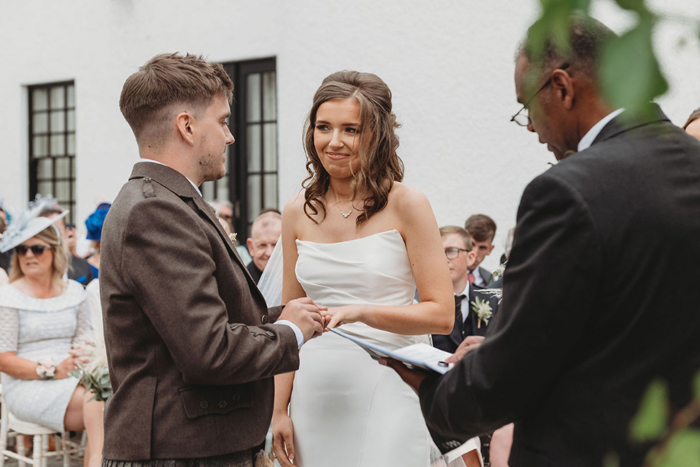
94	227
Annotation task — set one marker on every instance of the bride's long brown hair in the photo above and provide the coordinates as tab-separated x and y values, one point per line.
380	166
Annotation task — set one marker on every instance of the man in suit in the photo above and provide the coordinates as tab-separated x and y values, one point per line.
264	234
482	230
191	348
459	253
600	296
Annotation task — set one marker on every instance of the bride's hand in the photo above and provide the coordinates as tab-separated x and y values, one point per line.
283	439
342	315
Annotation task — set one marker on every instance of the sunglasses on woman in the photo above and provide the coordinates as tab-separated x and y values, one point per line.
37	250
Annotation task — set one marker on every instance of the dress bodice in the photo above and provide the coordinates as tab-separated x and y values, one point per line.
370	270
373	270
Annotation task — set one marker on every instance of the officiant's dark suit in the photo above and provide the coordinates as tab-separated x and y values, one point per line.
191	350
600	295
470	325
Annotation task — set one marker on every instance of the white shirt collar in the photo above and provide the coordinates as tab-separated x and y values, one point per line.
158	162
589	137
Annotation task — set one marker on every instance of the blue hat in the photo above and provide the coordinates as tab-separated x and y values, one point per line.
95	221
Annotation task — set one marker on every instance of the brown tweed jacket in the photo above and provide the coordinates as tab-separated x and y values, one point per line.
190	348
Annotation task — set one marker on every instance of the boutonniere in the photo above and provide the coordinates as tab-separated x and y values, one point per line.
232	236
483	311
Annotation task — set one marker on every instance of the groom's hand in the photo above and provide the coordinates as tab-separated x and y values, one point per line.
306	315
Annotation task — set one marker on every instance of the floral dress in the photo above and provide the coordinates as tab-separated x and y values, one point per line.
37	329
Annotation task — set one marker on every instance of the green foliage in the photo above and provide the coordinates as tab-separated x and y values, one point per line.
630	73
638	6
682	450
652	419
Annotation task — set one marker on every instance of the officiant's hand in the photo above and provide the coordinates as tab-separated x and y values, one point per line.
413	378
307	315
467	345
343	315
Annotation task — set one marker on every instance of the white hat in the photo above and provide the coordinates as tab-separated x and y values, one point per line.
26	224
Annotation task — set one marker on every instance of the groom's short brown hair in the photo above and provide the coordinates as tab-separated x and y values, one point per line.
150	96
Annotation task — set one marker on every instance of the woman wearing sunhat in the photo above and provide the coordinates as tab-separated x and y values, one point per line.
44	322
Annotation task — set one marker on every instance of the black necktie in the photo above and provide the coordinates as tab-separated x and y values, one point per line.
458	309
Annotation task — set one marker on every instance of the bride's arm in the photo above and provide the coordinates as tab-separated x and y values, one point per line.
282	428
435	313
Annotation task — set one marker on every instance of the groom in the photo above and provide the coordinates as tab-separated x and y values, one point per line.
190	343
600	295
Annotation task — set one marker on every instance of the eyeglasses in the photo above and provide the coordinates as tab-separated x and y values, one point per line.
37	250
524	119
452	253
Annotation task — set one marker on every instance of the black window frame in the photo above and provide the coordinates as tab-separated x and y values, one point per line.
34	160
238	170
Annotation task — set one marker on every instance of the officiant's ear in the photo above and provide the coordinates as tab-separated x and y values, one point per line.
184	122
563	86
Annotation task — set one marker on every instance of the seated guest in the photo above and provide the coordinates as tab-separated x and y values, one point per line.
94	228
692	126
44	326
224	210
474	308
264	233
78	269
4	257
482	230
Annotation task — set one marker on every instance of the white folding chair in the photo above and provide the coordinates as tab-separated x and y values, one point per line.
12	426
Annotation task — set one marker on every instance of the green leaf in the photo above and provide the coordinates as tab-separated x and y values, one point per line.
630	73
651	420
683	450
638	6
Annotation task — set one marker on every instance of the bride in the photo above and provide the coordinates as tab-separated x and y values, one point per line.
358	241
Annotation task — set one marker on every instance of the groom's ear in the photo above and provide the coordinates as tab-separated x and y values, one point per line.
184	125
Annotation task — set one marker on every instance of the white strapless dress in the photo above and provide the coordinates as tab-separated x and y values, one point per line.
347	409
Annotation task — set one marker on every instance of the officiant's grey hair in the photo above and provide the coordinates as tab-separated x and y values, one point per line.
586	39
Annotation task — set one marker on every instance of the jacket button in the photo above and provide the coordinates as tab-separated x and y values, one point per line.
264	319
271	335
204	405
236	397
222	404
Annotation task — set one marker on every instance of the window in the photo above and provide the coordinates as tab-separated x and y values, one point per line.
251	179
52	143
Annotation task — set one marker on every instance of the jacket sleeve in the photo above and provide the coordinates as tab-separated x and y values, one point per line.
168	262
548	293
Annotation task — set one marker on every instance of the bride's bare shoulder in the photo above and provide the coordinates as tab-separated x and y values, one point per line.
404	196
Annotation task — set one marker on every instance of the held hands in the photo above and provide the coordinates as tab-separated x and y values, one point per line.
283	439
343	315
306	315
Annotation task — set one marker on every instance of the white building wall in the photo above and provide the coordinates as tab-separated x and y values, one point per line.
449	64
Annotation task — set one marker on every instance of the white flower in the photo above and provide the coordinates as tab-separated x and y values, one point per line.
483	311
232	236
499	271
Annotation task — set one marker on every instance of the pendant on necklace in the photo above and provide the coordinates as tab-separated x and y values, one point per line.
346	214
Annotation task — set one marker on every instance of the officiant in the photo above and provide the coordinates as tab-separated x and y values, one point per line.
600	295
